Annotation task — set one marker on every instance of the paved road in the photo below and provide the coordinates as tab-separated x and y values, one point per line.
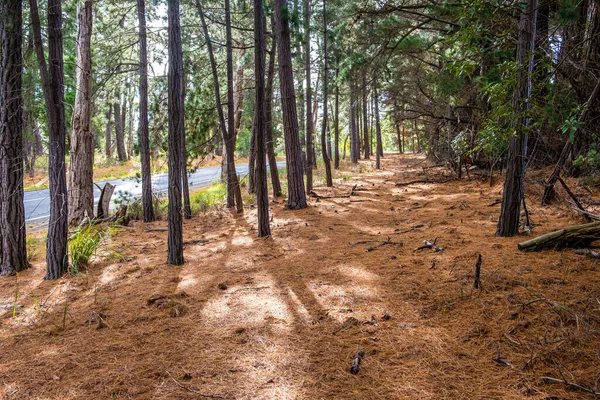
37	202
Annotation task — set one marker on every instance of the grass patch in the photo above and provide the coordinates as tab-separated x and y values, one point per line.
82	246
208	198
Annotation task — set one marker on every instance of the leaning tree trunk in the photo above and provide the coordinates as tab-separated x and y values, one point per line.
269	118
296	193
52	78
234	194
176	129
326	160
262	194
513	194
143	123
13	239
81	181
309	111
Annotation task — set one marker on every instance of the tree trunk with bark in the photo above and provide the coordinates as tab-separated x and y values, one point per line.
176	129
234	194
379	149
336	121
513	194
269	117
365	120
108	131
143	131
52	78
13	239
354	137
262	193
130	129
309	110
81	181
326	160
296	192
120	128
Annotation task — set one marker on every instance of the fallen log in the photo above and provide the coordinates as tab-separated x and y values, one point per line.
573	236
355	368
587	252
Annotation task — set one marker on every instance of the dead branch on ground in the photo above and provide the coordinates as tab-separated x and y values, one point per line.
430	245
379	243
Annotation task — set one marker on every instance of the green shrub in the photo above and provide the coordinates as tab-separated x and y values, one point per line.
209	198
82	246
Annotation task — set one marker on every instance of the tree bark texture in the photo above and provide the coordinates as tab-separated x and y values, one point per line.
336	122
512	196
269	117
326	160
354	137
379	149
52	77
13	239
81	181
365	119
296	192
309	111
176	127
108	132
144	132
120	128
262	193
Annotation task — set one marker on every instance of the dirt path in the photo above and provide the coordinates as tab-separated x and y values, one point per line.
247	318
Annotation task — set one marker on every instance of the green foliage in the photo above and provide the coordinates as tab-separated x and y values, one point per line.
208	198
82	246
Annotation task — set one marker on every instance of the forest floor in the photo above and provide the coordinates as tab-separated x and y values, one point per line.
283	317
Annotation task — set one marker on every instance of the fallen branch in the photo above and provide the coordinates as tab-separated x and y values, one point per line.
190	389
157	229
564	185
410	230
379	243
588	214
10	306
502	360
493	203
424	181
574	236
476	280
587	252
430	245
335	196
570	384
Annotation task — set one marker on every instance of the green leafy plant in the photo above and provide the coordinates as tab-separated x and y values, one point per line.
82	246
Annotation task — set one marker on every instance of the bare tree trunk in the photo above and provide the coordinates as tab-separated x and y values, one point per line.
234	194
513	194
365	119
176	129
120	112
296	193
354	137
53	85
326	160
379	149
262	194
143	132
130	129
13	239
309	111
336	123
269	117
252	155
81	181
108	132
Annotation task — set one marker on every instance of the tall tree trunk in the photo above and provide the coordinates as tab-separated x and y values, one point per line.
130	129
309	110
53	86
269	117
379	149
81	181
354	137
176	129
513	194
262	194
120	128
234	194
296	193
326	160
13	239
143	132
365	119
108	132
231	173
336	122
252	155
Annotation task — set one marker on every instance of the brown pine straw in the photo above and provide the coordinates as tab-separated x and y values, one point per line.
279	330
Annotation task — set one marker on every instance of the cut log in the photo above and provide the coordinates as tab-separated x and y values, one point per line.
573	236
104	201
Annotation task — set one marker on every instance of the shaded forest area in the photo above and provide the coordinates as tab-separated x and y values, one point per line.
334	268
